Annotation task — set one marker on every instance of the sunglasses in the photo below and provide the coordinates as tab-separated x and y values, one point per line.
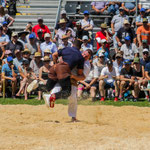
145	53
118	57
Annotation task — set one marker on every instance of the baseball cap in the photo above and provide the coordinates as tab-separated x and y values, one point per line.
86	12
101	54
5	22
14	34
145	50
145	20
40	18
142	9
37	54
103	41
26	62
109	62
63	12
126	22
127	62
47	35
85	37
31	36
127	38
9	59
136	60
7	52
40	30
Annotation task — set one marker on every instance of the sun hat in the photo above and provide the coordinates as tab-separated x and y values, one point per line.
32	36
26	50
47	35
9	59
7	52
145	20
86	12
14	34
47	51
46	58
136	60
127	62
37	54
104	25
85	37
62	21
126	22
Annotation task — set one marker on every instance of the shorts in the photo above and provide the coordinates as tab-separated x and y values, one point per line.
127	85
109	85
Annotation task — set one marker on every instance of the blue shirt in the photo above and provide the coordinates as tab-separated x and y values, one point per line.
140	19
7	70
106	54
72	56
147	68
51	46
4	38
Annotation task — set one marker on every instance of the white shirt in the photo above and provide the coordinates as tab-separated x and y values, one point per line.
114	72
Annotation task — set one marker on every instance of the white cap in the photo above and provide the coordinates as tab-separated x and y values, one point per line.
63	12
47	35
85	37
103	41
145	50
100	54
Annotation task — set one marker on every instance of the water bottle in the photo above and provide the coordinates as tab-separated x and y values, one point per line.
148	86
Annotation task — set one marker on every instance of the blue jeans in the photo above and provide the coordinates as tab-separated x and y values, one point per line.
113	9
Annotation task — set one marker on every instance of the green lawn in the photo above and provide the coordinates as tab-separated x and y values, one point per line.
32	101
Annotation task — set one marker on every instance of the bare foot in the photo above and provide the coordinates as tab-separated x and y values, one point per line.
17	94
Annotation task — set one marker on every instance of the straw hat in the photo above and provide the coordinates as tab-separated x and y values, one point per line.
104	25
37	54
47	51
62	21
26	50
46	58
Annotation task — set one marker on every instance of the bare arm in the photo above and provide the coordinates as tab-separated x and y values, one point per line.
11	21
139	39
55	57
112	28
146	75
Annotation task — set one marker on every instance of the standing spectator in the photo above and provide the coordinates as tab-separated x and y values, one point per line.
41	26
63	30
68	22
129	49
9	74
125	31
14	44
48	44
143	33
139	19
116	24
103	34
5	17
108	79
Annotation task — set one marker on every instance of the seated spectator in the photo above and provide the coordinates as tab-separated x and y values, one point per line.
113	8
108	79
7	54
85	44
27	76
89	84
129	49
139	18
17	61
5	17
143	33
9	74
125	31
14	44
144	5
41	26
32	45
69	23
103	34
129	8
40	38
99	8
4	39
48	44
65	42
128	80
116	24
26	54
63	30
103	49
6	30
118	63
43	72
22	37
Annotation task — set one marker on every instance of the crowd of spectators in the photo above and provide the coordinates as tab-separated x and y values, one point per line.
27	56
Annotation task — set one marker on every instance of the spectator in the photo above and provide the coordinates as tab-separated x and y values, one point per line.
27	76
63	30
68	22
129	49
103	34
5	17
145	6
108	79
22	37
41	26
118	63
128	80
9	74
85	44
26	54
14	44
113	8
6	30
129	7
48	44
65	42
139	19
43	72
3	3
116	24
32	45
143	33
18	59
7	54
40	38
125	31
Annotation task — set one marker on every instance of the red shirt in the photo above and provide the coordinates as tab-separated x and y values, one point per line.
43	27
101	36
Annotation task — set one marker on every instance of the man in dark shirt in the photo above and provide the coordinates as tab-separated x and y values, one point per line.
128	80
124	32
146	58
14	44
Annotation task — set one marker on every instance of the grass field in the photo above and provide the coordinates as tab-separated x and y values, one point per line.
33	101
